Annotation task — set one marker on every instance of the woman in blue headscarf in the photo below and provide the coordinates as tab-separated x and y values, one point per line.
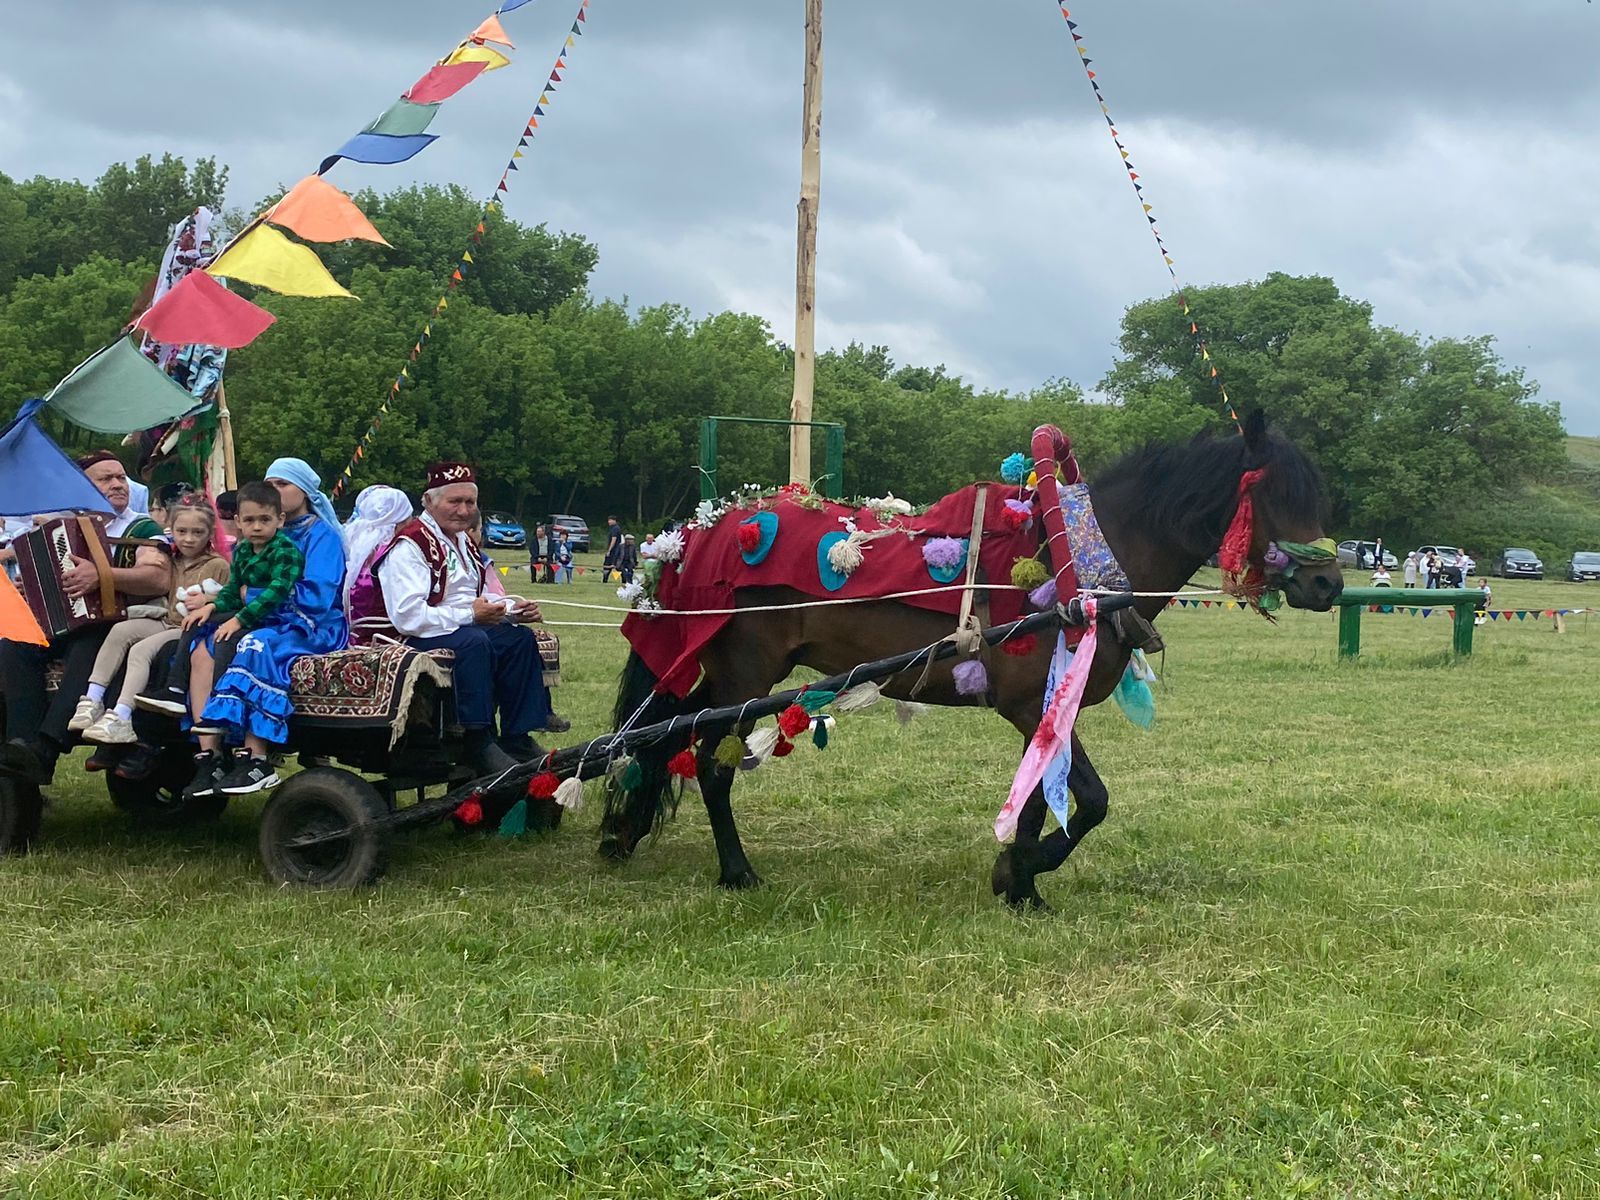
252	696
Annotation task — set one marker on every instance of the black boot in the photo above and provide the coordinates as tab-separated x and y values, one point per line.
33	761
483	755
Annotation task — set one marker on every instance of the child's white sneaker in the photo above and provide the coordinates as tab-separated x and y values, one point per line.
111	730
86	714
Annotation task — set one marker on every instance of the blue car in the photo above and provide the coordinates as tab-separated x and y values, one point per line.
502	529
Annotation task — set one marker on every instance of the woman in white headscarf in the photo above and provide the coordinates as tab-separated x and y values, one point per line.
380	510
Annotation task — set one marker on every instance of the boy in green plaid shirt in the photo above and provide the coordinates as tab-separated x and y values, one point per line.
266	567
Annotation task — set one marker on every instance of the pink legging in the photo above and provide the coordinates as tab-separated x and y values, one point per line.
137	639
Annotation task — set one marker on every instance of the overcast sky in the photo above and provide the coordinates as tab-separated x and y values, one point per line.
1440	158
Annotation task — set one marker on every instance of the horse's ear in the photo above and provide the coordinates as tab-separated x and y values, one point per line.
1255	433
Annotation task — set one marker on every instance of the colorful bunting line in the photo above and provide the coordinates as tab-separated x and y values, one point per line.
458	273
1204	350
1410	610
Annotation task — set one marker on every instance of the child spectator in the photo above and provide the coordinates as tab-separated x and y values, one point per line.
563	558
266	567
1481	617
1381	576
149	628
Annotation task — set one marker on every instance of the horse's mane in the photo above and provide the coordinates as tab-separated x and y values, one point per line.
1187	490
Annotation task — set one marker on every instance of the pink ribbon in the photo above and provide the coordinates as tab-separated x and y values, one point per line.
1055	729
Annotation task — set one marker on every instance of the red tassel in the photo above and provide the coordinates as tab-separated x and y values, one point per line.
469	811
1237	543
749	536
683	764
1022	646
543	786
783	749
793	721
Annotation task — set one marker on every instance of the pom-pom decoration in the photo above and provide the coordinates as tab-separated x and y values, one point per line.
749	536
1017	514
945	557
1021	647
793	720
1028	573
971	678
845	555
755	546
1014	467
543	786
730	752
470	811
682	765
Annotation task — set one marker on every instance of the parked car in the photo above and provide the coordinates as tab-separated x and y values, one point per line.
502	529
1358	553
1516	563
577	530
1583	566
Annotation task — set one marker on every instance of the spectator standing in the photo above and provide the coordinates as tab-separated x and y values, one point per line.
628	558
538	563
562	558
551	547
1431	569
1409	575
613	558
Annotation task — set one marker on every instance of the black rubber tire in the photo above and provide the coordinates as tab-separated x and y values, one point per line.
325	800
21	806
156	801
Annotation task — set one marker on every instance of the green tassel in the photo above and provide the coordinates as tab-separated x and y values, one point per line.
730	752
1028	573
819	734
515	822
815	702
632	777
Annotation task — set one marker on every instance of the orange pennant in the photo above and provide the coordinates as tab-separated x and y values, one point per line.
17	623
320	212
491	31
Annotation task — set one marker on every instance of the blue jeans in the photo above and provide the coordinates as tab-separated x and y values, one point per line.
497	666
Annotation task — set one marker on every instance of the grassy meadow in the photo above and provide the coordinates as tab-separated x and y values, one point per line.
1337	938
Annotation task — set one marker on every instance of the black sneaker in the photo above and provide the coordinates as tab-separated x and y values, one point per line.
105	757
209	767
248	775
137	762
556	724
163	700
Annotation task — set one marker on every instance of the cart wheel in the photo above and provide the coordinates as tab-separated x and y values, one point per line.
21	806
325	828
157	799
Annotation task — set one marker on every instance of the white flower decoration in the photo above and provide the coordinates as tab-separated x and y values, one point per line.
669	546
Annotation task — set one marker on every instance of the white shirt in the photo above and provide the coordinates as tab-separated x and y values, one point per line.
121	522
407	581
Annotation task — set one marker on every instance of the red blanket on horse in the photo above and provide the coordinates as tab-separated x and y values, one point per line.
714	565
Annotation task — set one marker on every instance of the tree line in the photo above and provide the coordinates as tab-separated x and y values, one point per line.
571	403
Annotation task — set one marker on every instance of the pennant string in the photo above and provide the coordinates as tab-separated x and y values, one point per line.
1193	325
467	260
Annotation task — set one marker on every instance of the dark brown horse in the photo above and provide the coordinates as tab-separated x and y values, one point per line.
1163	512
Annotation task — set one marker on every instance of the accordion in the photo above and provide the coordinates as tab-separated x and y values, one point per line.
43	554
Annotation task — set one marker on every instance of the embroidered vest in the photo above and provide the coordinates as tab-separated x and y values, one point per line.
369	614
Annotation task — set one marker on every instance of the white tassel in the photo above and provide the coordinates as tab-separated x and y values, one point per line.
844	557
907	711
861	696
570	794
762	743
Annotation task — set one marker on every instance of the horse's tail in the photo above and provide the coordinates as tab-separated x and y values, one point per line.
639	798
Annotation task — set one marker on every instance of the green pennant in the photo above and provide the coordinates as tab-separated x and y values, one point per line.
119	390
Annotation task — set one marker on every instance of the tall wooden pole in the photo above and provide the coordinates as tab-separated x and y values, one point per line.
230	473
805	302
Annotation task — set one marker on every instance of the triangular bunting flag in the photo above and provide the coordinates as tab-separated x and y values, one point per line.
492	31
200	311
320	212
491	58
119	390
267	259
17	622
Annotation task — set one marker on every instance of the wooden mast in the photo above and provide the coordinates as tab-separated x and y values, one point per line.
805	304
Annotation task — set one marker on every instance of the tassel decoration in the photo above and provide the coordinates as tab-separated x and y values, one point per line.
1028	573
570	794
844	557
618	765
815	702
862	696
783	749
971	678
819	732
730	752
1043	596
762	742
543	786
633	776
793	720
682	765
907	711
1021	647
515	822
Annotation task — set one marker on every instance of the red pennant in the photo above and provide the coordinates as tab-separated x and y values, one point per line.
200	311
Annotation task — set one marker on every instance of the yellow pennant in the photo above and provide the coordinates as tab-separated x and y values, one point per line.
493	60
267	259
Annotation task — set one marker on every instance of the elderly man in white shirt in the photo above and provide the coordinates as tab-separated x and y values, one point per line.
429	591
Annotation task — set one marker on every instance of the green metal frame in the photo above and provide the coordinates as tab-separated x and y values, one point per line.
831	483
1352	602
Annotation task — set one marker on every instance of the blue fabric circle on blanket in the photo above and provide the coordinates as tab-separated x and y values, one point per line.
767	522
831	579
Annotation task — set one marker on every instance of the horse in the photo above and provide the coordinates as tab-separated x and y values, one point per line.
1163	511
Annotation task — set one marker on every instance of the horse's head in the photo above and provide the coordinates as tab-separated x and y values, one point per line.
1288	543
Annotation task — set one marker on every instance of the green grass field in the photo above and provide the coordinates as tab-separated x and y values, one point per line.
1336	939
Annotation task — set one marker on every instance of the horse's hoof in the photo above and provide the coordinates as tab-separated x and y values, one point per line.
741	881
1031	903
615	849
1000	879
